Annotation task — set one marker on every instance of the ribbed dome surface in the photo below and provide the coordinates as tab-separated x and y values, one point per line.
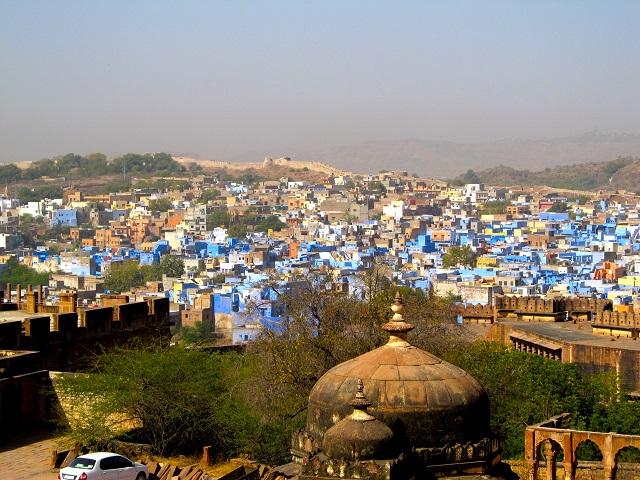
355	440
426	401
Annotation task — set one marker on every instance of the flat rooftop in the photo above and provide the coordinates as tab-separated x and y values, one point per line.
19	316
575	333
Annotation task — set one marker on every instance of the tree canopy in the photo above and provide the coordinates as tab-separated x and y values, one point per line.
495	207
18	273
74	166
161	205
251	402
209	194
459	256
123	276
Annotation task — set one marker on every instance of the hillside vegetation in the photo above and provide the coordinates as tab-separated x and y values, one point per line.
78	166
619	174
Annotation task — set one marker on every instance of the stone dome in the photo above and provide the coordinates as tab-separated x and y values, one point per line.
359	436
426	401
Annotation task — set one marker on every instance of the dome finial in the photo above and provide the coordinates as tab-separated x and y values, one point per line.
359	436
397	327
360	404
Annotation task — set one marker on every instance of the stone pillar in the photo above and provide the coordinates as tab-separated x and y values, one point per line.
8	290
569	471
31	302
18	294
608	459
609	472
550	452
569	462
530	453
40	295
68	302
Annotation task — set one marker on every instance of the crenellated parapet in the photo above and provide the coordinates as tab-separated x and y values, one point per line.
59	334
618	324
528	304
474	313
533	308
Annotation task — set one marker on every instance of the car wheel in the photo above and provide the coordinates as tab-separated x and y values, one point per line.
141	476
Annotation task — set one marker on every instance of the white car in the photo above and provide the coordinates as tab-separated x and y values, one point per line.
105	466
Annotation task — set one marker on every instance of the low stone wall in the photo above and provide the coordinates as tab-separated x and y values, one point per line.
584	471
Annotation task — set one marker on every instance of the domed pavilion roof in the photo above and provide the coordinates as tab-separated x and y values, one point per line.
359	436
426	401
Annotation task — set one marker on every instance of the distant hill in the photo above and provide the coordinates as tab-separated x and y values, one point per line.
618	174
285	163
447	159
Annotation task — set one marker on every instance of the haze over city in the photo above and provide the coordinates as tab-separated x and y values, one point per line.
241	80
294	240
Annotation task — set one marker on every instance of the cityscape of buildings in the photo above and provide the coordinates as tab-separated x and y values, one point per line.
551	272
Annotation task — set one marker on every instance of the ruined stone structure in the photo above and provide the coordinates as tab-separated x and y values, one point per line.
550	438
396	412
36	338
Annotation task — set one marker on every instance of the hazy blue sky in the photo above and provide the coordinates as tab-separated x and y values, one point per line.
226	79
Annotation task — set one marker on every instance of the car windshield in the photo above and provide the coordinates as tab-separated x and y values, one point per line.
83	463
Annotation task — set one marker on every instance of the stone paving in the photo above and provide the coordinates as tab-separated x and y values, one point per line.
27	458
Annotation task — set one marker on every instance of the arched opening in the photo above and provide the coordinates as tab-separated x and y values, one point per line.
588	451
550	455
627	462
589	459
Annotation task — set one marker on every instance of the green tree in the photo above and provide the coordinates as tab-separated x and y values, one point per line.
218	218
172	266
27	228
38	193
209	194
377	188
238	230
182	400
272	222
10	173
525	389
17	273
116	186
457	255
559	207
469	176
123	276
495	207
172	394
161	205
97	163
201	331
321	329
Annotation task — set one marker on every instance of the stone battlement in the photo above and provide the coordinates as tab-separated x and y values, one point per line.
621	324
533	309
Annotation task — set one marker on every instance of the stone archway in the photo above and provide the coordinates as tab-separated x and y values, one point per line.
627	462
552	452
588	451
588	455
610	445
